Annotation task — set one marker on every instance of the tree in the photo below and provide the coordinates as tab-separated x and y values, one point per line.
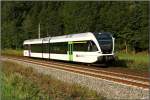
127	21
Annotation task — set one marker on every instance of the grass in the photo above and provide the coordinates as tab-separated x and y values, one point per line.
12	52
139	57
21	83
139	61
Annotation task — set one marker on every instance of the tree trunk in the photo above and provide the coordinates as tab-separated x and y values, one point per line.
126	47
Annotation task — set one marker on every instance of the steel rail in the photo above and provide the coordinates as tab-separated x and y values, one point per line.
129	81
100	70
97	70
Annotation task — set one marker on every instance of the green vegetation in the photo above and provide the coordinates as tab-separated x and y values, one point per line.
11	52
20	83
139	57
138	61
128	21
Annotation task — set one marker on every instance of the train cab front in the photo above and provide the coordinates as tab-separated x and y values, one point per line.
106	46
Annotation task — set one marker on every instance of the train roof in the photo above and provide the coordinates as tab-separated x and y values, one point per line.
64	38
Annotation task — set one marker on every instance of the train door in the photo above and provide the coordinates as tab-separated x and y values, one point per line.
70	51
29	50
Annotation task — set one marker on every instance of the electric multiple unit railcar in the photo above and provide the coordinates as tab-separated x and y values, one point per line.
83	47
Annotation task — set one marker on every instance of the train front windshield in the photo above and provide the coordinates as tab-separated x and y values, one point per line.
105	42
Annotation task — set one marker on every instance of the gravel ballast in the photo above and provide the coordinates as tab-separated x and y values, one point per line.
109	89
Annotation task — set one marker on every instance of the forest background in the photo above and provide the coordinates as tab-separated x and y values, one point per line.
126	20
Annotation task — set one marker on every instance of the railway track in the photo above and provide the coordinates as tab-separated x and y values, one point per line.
121	78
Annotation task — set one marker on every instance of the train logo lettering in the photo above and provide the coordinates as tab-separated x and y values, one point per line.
79	55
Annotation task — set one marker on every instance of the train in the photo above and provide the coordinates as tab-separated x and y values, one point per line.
82	47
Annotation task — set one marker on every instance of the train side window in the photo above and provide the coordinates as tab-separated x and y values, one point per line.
80	46
85	46
37	48
59	48
26	47
45	48
92	46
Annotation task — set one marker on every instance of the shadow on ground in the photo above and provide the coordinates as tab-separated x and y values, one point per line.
120	63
